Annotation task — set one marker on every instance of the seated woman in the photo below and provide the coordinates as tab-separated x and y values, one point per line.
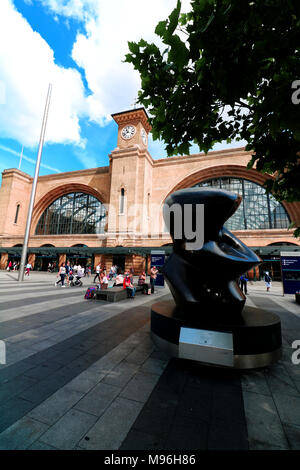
142	282
127	284
104	281
119	280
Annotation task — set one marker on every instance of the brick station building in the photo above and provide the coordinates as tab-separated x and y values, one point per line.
113	214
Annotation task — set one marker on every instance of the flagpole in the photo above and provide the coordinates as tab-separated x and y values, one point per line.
34	184
21	157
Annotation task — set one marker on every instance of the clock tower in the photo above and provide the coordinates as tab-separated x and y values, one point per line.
133	129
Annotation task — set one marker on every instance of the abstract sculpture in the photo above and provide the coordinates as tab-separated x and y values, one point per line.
204	281
208	322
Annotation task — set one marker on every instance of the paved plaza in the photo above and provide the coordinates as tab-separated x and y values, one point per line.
83	374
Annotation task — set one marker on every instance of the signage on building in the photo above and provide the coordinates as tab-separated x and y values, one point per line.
158	260
290	267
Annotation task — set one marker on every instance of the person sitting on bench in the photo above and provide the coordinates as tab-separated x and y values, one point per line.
129	287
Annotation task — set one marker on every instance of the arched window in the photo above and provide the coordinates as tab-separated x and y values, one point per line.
258	209
17	213
122	201
72	213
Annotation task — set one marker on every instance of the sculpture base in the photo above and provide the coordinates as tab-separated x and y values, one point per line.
255	333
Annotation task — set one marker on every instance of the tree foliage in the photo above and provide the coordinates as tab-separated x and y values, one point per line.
228	70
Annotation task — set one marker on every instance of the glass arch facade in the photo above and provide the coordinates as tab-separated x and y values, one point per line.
72	213
258	209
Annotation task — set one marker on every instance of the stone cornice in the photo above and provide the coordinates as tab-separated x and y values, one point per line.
133	116
239	152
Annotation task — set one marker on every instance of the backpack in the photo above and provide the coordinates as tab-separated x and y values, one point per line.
90	293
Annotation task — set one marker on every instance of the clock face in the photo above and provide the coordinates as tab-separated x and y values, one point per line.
128	132
144	136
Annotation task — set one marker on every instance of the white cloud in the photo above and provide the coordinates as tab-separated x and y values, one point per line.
26	68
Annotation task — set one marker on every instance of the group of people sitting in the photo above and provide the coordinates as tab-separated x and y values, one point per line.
126	281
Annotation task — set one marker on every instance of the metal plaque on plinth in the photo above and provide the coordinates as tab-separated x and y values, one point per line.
212	347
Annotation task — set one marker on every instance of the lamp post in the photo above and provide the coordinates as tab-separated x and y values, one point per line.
33	190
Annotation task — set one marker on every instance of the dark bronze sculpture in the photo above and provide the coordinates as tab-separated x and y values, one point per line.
204	281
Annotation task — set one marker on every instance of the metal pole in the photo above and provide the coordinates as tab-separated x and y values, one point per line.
33	190
21	157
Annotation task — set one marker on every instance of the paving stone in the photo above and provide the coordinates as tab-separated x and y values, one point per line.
223	435
154	366
15	386
85	381
37	445
43	370
255	381
98	399
120	375
12	410
140	387
265	431
288	408
279	381
293	435
21	434
56	406
137	440
69	430
113	426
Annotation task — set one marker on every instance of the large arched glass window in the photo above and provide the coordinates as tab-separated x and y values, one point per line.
258	209
72	213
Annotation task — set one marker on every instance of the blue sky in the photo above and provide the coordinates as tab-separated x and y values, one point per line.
78	46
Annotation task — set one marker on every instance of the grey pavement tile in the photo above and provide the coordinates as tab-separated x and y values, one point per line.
279	380
120	375
21	434
137	357
56	406
113	426
43	370
85	381
15	386
12	410
137	440
265	431
255	381
288	408
37	445
98	399
140	387
293	435
227	436
69	430
154	366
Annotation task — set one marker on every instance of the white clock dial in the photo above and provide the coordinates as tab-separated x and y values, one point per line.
144	136
128	132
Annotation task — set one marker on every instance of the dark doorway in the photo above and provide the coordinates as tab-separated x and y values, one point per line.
119	260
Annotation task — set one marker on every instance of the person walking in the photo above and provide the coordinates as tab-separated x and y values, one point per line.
98	270
268	281
68	270
243	284
9	266
27	269
153	274
62	275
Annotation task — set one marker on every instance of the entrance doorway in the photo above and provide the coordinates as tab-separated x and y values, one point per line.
119	261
